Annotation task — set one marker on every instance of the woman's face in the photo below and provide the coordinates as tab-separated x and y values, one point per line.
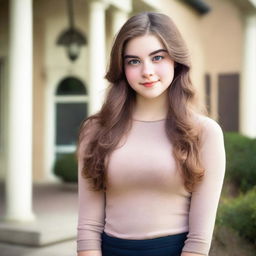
148	67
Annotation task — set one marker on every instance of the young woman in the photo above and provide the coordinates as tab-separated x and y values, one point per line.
151	167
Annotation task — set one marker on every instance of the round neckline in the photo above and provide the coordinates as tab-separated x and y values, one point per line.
148	121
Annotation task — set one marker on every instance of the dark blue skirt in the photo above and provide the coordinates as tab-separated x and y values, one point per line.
161	246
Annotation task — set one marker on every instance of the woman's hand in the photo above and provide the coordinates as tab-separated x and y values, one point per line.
89	253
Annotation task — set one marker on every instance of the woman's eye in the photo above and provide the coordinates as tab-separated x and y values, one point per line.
133	62
158	57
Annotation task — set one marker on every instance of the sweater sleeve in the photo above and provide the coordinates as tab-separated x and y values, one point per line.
205	199
91	211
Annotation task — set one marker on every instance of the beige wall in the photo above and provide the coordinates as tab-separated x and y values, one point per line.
38	96
222	36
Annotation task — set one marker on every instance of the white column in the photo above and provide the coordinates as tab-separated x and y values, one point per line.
248	80
97	66
119	18
19	157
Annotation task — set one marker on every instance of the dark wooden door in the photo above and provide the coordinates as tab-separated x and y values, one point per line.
228	101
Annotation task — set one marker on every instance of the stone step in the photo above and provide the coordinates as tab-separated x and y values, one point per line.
43	231
55	209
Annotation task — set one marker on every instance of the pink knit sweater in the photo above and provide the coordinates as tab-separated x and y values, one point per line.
146	197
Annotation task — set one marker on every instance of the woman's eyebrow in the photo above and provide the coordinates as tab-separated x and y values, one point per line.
152	53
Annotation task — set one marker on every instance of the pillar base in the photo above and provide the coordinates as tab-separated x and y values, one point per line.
55	207
38	233
19	219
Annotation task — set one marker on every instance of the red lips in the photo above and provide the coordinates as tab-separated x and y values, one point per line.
149	84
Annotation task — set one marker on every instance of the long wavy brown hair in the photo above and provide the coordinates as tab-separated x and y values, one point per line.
100	133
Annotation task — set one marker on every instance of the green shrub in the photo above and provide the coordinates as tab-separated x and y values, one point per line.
240	214
241	160
65	167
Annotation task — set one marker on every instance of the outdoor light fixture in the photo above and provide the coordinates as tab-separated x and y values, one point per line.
199	5
71	38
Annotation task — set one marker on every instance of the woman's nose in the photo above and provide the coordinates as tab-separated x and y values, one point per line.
147	69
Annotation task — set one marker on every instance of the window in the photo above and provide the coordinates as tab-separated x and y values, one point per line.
228	101
71	108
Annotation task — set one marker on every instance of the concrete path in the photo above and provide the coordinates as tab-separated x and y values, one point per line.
55	206
61	249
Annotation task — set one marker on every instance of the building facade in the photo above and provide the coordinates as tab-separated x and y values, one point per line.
45	96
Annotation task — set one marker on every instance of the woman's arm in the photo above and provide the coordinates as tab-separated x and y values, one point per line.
91	210
91	215
205	198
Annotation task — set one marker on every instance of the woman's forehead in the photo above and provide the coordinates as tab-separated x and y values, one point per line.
143	45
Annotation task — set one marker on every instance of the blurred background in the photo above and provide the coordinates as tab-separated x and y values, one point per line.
53	57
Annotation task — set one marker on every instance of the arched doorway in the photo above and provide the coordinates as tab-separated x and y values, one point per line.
71	107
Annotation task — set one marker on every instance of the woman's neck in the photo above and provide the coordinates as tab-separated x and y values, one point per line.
150	109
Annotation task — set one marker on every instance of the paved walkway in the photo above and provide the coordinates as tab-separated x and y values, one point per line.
54	204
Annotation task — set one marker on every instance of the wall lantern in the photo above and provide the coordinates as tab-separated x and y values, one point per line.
199	6
71	38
